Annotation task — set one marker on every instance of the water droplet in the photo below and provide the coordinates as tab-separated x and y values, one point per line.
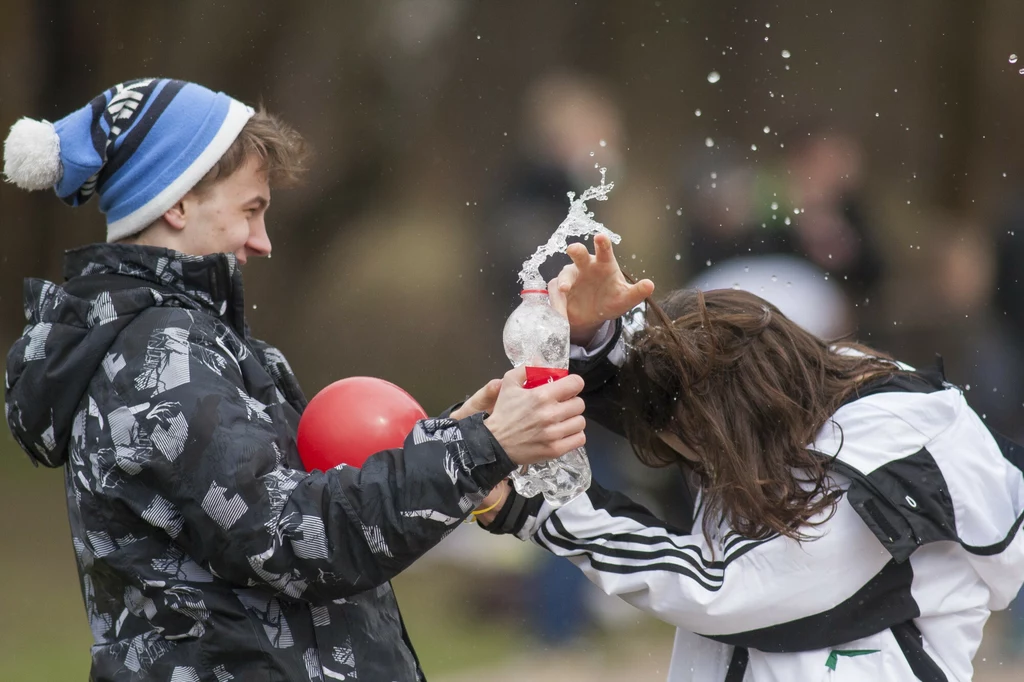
1013	59
679	256
753	147
789	284
478	37
591	153
767	25
679	211
254	306
603	143
826	278
774	278
697	112
736	285
714	77
746	268
788	221
876	114
767	130
708	142
1021	72
667	207
785	54
708	263
775	206
634	256
968	387
714	175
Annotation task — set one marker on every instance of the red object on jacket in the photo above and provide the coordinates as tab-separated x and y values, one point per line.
352	419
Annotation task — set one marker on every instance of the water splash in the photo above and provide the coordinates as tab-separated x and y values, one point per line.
578	223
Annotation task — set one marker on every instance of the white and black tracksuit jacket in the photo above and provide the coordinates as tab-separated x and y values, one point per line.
896	586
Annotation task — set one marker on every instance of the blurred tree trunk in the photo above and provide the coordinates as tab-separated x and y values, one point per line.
957	44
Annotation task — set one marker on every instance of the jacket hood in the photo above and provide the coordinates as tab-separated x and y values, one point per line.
50	367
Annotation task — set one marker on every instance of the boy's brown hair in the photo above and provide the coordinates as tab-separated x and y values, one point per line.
281	149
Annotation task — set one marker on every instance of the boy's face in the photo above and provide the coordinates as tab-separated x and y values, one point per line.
228	216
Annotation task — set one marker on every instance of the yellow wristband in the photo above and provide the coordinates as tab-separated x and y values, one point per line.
477	512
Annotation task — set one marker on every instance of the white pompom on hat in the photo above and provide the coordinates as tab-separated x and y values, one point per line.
32	155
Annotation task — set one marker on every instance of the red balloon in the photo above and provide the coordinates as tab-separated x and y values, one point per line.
352	419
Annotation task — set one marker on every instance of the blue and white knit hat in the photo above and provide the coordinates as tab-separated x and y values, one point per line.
141	146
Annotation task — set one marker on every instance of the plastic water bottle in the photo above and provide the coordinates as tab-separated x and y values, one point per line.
537	336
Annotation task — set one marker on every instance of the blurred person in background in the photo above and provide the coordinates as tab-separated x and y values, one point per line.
1008	302
806	204
803	293
570	122
857	518
205	551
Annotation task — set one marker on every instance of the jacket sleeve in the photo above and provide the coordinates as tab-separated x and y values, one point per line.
734	586
195	451
599	366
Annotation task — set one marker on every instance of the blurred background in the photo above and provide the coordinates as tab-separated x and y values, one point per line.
860	164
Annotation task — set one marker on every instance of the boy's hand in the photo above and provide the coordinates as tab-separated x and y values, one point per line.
481	401
537	424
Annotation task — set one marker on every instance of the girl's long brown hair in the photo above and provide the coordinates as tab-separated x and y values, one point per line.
747	390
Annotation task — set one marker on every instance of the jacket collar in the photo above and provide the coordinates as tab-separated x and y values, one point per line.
214	281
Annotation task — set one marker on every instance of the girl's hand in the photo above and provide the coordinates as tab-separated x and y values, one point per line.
593	290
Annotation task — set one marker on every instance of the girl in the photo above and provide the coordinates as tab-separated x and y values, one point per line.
853	518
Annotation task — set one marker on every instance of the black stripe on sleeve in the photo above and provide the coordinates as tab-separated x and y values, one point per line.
687	566
998	547
672	559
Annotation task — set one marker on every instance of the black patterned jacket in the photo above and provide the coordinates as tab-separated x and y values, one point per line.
205	551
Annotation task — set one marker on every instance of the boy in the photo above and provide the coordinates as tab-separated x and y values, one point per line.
206	552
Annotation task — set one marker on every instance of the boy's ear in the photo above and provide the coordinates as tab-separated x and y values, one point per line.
176	216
